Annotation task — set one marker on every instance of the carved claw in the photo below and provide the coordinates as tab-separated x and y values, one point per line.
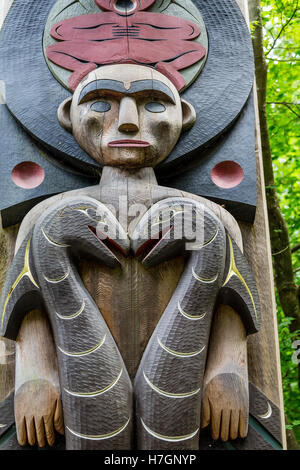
163	232
84	225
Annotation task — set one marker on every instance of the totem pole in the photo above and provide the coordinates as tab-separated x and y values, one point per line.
131	300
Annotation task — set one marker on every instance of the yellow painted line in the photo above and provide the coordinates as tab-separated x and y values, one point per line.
169	395
84	353
53	242
233	271
98	392
180	354
74	315
25	272
203	279
60	279
169	438
190	317
100	437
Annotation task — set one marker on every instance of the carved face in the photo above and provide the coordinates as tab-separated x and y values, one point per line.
126	115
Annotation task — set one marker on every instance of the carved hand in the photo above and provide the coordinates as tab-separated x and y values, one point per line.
225	403
225	406
38	413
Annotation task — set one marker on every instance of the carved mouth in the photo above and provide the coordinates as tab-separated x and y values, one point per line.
125	6
128	143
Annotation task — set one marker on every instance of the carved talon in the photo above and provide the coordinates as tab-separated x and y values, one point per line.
166	229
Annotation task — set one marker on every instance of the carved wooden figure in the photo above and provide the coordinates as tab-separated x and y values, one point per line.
132	303
131	299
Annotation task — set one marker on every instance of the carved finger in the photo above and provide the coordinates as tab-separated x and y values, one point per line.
49	429
225	424
243	424
31	436
234	424
58	418
40	431
21	431
205	412
215	423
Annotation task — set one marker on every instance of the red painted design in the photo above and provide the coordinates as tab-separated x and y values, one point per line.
227	174
89	41
28	175
128	143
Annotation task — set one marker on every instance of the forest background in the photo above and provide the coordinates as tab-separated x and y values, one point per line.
275	30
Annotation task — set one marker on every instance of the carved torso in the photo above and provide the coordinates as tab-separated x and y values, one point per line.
131	298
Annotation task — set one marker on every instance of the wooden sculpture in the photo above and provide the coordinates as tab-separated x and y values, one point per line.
129	118
129	297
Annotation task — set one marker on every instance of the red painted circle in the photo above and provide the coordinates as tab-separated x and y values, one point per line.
28	175
227	174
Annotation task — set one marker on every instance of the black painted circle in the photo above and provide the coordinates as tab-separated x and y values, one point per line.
101	106
33	95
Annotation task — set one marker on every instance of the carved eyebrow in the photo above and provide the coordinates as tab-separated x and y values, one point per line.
117	86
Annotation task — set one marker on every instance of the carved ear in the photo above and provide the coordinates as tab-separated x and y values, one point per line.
63	114
188	115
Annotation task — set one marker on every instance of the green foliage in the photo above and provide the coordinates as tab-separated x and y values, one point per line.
289	372
281	21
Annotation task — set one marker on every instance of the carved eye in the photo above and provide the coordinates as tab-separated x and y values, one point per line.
100	106
155	107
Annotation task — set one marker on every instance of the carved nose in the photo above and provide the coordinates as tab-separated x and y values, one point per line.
128	115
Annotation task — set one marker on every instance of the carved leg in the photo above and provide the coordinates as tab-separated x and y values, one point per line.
168	409
38	410
225	399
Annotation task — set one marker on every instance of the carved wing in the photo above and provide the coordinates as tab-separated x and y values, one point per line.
239	287
21	291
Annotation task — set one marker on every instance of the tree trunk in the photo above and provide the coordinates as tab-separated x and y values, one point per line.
282	258
281	250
